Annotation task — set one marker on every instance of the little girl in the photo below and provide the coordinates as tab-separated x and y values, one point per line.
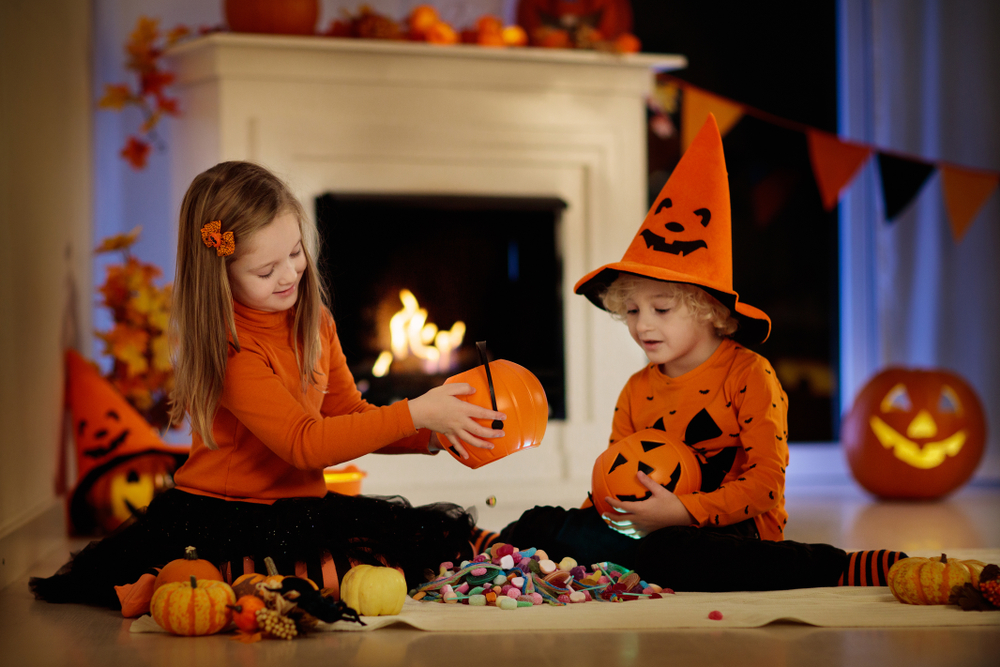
260	372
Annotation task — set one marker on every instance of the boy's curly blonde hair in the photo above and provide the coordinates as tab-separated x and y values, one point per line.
702	305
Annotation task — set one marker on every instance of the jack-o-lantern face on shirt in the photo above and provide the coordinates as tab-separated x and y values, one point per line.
914	434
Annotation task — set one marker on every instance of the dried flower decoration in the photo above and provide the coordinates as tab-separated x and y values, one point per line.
137	343
145	47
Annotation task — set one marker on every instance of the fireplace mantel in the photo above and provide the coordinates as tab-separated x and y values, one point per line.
368	116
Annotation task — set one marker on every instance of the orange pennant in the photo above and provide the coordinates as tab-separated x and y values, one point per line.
965	192
834	163
698	104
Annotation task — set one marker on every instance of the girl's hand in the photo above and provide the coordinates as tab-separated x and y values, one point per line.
455	419
640	518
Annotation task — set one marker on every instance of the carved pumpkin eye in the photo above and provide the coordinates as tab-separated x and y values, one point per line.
949	403
897	400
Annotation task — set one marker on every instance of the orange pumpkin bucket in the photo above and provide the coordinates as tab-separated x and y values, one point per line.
513	390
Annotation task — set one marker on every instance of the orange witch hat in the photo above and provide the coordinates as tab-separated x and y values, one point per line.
687	236
106	429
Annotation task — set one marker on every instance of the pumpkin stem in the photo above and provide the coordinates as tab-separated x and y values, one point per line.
194	582
944	559
272	569
190	553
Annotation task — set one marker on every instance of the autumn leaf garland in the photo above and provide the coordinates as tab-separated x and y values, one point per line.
137	343
143	50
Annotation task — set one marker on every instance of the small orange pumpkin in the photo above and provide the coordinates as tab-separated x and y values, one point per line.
193	607
245	613
671	464
518	394
930	580
184	568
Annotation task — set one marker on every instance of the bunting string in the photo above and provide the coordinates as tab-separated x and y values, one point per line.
836	162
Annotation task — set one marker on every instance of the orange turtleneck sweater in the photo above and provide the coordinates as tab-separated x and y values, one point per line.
274	439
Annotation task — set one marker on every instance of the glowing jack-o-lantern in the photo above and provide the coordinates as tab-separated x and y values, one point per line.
668	463
513	390
914	434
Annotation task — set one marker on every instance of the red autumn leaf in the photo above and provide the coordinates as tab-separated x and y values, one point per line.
154	81
136	152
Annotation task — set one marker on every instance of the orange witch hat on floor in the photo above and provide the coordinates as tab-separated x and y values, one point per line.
107	432
687	236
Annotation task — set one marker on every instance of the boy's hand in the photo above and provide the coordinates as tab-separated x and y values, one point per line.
442	412
640	518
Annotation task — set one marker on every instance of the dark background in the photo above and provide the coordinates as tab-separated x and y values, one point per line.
780	58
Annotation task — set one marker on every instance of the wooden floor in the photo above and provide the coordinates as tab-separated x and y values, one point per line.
36	633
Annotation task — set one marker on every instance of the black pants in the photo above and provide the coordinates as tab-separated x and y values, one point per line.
684	558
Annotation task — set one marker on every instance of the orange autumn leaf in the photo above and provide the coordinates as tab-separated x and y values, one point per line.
160	347
177	33
120	241
116	96
136	152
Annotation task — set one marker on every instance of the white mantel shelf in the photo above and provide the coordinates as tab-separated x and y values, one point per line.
369	116
466	64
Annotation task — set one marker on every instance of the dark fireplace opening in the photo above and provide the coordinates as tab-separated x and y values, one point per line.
424	267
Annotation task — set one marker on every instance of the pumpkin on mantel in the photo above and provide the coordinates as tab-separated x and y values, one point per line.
914	434
275	17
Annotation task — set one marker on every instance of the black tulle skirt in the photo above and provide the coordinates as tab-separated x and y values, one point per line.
352	529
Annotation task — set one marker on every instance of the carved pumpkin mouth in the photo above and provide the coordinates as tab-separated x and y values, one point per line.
931	455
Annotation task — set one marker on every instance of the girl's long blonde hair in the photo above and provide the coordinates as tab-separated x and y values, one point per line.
245	197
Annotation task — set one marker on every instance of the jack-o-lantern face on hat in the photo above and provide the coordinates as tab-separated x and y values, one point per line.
914	434
686	237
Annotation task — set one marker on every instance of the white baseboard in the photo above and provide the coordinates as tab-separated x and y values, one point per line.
31	540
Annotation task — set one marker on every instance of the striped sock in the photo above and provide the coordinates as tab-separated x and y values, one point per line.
869	568
482	540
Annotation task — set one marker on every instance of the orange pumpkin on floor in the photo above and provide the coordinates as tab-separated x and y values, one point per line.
513	390
671	464
182	569
930	580
914	434
247	584
193	607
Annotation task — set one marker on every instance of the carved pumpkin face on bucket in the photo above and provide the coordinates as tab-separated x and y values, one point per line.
519	395
129	486
671	464
914	434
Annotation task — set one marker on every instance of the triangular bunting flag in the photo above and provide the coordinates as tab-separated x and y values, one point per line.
902	179
834	164
697	105
965	192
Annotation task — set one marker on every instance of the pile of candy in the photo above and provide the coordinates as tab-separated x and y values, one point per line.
509	578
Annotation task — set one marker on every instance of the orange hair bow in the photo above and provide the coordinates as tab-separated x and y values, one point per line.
214	237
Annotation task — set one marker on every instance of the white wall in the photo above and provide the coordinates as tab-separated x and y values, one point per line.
45	243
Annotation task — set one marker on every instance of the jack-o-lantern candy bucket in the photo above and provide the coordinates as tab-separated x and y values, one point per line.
914	434
513	390
668	463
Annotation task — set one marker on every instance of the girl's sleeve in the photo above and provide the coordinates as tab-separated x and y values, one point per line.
343	398
762	409
307	440
622	425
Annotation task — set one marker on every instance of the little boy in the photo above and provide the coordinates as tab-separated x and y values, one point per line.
674	290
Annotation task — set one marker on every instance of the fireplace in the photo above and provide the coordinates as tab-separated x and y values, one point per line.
482	137
416	280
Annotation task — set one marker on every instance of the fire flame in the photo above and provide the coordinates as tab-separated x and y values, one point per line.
411	333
